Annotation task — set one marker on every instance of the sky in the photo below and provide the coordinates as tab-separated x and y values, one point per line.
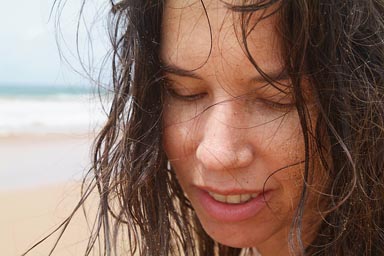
28	50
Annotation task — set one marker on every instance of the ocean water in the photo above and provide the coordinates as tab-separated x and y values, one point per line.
49	109
71	114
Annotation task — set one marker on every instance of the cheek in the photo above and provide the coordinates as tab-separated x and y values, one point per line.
178	144
284	150
286	155
179	130
177	141
291	153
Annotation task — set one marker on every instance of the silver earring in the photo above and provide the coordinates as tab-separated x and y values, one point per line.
169	167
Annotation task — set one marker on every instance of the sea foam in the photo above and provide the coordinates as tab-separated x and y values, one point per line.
50	113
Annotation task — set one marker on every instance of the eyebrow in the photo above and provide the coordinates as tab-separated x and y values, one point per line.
180	71
278	75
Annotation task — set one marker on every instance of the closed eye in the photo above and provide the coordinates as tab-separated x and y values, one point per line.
278	105
185	96
177	91
271	98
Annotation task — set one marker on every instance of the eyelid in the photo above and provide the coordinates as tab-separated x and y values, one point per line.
175	92
278	105
277	100
271	97
187	97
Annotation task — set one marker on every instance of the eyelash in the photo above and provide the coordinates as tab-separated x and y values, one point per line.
195	97
278	105
191	97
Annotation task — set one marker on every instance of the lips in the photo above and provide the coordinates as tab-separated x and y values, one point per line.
233	199
232	206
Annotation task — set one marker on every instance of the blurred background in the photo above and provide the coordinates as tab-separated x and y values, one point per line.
50	112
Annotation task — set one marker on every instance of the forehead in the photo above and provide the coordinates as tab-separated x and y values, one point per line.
204	35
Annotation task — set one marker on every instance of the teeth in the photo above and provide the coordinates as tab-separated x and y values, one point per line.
233	199
217	197
245	197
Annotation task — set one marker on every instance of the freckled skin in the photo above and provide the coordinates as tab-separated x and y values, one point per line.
239	141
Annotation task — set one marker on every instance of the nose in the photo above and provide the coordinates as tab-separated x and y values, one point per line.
225	140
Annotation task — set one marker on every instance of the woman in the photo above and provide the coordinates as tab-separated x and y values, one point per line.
244	124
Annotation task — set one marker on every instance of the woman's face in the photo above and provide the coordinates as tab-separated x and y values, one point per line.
227	131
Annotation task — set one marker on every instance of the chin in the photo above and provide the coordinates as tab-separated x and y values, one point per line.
232	235
236	242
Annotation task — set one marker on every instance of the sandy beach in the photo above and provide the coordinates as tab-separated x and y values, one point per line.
39	186
43	159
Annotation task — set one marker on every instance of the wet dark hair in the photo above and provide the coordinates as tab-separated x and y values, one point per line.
337	45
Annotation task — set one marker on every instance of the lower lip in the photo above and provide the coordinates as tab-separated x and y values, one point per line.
232	212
